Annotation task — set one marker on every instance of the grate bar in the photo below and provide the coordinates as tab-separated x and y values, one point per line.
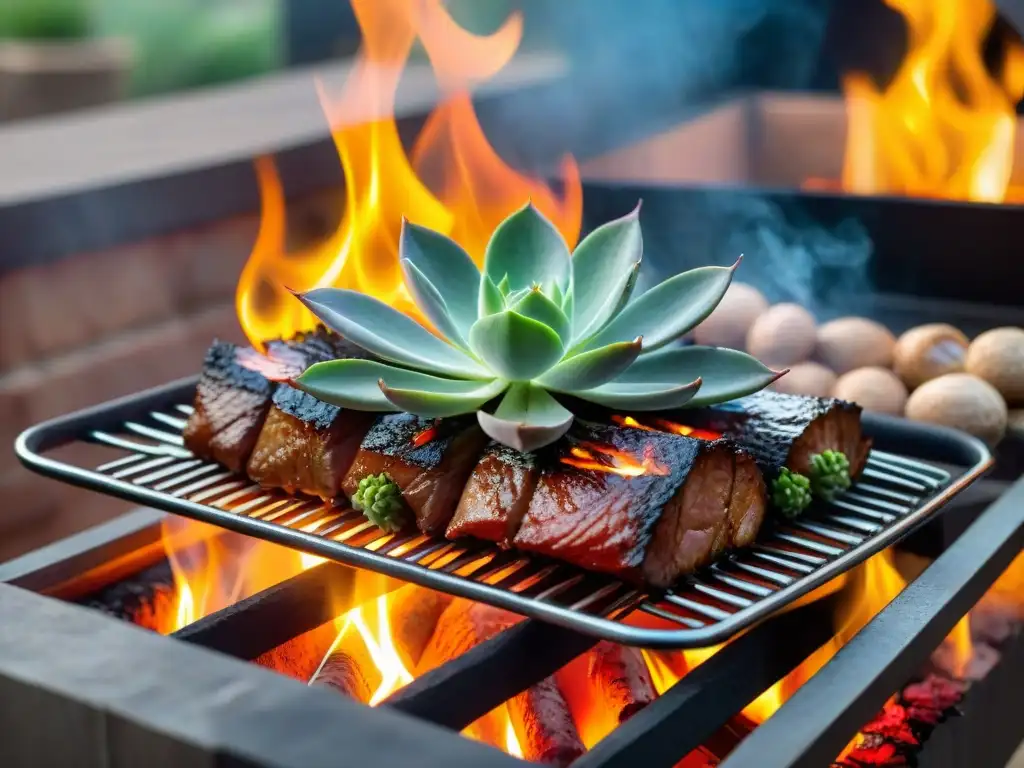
896	492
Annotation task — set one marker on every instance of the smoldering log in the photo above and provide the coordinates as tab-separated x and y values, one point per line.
301	656
461	626
544	725
413	613
145	599
620	677
348	668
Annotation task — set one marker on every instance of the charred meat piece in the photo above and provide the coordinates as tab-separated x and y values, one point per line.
307	445
429	459
230	405
646	506
786	430
497	495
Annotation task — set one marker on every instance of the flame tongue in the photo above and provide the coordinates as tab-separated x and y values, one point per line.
460	186
944	127
604	458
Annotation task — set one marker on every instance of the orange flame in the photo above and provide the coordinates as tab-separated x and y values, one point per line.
944	127
213	569
871	588
459	186
604	458
664	425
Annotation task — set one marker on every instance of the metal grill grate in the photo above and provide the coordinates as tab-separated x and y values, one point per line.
894	495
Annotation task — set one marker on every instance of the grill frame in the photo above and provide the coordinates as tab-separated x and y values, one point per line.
614	600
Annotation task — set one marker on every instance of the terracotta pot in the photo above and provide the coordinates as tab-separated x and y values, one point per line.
43	77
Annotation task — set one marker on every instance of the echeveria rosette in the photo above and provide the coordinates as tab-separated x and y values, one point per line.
535	323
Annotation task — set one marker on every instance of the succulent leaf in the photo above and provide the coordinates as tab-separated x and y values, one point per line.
830	474
641	396
491	298
527	418
528	249
726	373
379	498
503	286
356	383
536	306
601	268
667	310
592	369
389	334
439	402
515	347
433	305
447	267
790	492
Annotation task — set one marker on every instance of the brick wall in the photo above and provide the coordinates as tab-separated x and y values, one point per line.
100	325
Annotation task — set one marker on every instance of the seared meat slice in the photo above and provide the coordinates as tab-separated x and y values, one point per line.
652	527
305	444
429	459
786	430
231	403
497	495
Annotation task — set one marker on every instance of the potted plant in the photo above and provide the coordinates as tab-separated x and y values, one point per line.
51	62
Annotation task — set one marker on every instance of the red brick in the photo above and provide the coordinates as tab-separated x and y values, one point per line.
124	365
37	511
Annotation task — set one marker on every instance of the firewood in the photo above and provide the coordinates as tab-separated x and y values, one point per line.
462	625
620	678
544	726
301	656
348	668
413	613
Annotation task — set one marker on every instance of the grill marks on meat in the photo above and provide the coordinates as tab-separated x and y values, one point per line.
786	430
653	527
496	496
231	403
431	472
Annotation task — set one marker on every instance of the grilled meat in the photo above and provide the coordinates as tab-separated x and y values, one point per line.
652	527
786	430
307	445
497	495
230	405
430	461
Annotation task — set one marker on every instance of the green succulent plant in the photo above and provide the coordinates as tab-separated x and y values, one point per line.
535	323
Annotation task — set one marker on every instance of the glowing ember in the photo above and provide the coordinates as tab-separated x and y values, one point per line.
604	458
943	127
424	437
664	425
459	186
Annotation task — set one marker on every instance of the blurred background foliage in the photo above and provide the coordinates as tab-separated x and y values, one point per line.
179	44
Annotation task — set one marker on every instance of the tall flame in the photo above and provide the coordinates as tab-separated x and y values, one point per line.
944	127
460	186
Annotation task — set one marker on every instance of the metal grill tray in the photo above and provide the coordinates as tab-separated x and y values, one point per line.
900	489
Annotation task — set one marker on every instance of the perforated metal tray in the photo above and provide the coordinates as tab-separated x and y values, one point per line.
900	489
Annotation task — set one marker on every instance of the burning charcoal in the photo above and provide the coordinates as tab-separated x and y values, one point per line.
543	725
873	751
983	660
934	691
343	674
301	656
893	724
413	613
463	625
145	599
605	687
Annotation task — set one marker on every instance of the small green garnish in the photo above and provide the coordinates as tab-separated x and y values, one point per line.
830	474
791	492
380	499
